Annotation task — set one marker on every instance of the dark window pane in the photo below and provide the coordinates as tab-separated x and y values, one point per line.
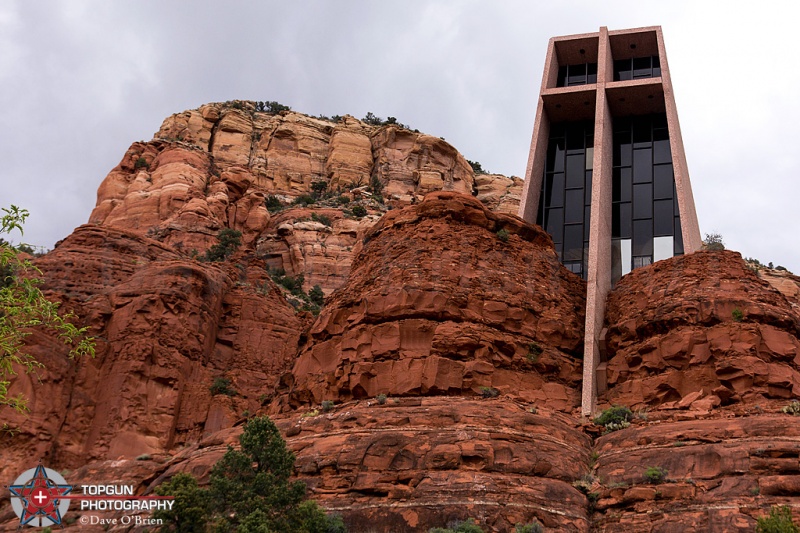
540	211
660	133
575	169
643	200
557	130
656	72
622	70
642	165
575	139
642	261
642	237
678	236
576	75
676	212
641	132
642	67
591	73
656	67
621	185
562	76
662	218
555	191
625	220
622	149
662	182
555	155
588	187
659	120
555	221
573	266
573	242
587	213
573	211
661	153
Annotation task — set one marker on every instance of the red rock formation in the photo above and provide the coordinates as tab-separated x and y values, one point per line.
436	303
213	167
166	327
713	352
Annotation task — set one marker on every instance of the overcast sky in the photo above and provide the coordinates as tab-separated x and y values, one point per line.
81	80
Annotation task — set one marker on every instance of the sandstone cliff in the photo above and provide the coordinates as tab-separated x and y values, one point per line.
441	379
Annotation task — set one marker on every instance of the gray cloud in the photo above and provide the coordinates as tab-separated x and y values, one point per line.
81	80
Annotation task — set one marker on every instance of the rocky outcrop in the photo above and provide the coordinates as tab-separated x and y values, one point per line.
501	194
437	303
214	167
709	355
166	328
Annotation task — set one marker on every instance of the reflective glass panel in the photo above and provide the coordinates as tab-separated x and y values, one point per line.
555	220
661	153
662	182
642	200
555	191
662	217
642	237
642	165
575	169
573	242
574	207
621	184
625	219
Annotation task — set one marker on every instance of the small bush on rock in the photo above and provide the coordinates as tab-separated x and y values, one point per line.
778	521
655	474
503	235
614	418
489	392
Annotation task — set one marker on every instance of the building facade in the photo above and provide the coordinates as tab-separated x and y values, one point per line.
607	175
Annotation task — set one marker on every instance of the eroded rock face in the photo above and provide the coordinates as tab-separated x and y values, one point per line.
701	324
213	167
166	327
437	303
712	351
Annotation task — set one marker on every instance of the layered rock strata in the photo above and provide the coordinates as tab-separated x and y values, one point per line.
709	355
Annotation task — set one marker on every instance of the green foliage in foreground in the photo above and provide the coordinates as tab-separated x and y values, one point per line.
778	521
22	307
249	492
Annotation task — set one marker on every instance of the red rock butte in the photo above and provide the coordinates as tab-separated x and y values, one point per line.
441	380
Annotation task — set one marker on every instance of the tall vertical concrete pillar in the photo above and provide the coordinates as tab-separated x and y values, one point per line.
636	187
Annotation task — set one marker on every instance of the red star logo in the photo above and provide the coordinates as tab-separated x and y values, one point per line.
40	497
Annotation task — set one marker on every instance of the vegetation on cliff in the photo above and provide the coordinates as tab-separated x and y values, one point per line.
249	491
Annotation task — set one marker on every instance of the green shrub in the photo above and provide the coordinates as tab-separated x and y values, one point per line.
615	416
273	204
792	409
272	108
144	457
376	187
534	351
342	200
304	200
503	235
322	219
327	406
141	163
489	392
778	521
532	527
467	526
476	167
372	119
359	211
229	240
381	399
318	188
737	315
713	241
249	491
316	295
655	474
222	385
